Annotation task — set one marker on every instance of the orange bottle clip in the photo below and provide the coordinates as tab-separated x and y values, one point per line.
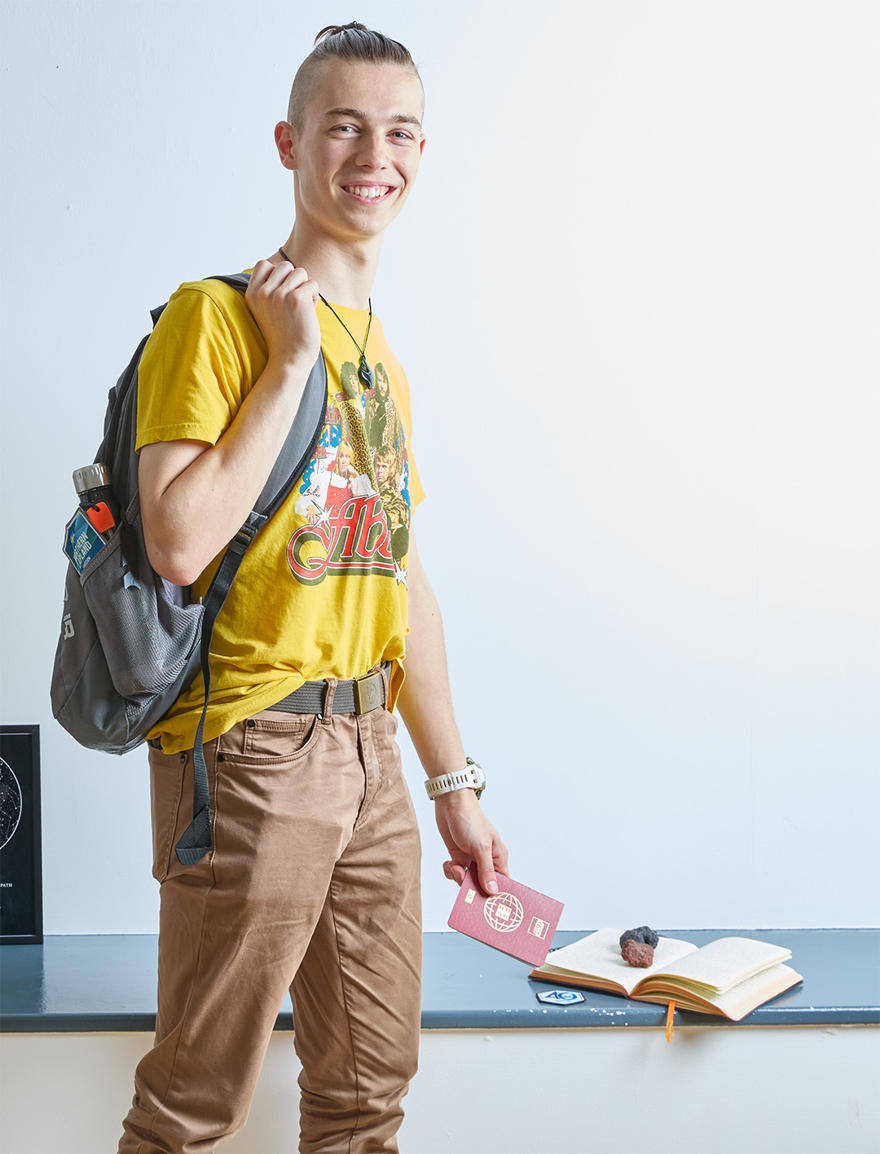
100	517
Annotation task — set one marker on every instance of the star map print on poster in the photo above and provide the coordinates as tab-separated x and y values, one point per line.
10	803
21	894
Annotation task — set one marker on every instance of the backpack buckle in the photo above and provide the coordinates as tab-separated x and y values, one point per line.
242	539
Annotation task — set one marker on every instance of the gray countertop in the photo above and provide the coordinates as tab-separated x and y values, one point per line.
93	983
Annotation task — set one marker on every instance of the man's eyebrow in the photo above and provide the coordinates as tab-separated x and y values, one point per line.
359	114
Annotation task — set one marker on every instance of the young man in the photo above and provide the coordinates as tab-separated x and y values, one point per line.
312	882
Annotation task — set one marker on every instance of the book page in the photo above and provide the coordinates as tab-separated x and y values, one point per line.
598	956
755	991
738	1001
722	964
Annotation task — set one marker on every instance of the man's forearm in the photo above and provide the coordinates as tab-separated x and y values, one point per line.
426	698
426	706
191	512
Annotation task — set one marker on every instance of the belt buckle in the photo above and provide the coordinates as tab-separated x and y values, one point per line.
369	692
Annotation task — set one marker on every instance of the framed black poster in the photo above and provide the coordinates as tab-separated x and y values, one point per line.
21	874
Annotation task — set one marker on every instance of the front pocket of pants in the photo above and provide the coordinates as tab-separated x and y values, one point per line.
278	739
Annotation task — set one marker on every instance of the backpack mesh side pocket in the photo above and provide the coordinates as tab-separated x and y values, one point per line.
145	633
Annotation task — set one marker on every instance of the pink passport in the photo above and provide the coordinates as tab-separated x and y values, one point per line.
516	920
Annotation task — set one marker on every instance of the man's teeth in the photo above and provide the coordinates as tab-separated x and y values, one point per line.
371	192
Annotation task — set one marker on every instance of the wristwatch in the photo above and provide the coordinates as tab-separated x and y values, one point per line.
471	777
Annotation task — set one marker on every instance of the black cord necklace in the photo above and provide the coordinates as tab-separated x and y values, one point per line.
364	371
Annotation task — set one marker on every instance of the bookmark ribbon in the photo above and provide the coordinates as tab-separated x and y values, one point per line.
670	1012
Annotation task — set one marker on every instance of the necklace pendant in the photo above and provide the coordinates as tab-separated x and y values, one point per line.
366	374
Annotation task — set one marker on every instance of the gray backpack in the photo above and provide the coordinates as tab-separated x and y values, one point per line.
131	642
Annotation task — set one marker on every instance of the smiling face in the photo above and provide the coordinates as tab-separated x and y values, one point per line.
357	151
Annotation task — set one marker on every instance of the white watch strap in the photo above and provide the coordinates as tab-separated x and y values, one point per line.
466	778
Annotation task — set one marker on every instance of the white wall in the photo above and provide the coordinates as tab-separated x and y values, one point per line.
516	1092
636	293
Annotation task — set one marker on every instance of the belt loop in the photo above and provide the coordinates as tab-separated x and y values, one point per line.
327	714
385	670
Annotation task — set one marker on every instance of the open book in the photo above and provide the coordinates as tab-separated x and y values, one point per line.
729	977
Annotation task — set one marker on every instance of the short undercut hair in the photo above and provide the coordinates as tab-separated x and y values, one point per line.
345	42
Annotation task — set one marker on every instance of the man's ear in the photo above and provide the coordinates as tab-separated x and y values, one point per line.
284	144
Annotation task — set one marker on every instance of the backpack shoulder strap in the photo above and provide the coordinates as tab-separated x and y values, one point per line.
298	447
300	442
238	280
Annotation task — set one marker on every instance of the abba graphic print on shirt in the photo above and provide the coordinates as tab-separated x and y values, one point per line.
355	491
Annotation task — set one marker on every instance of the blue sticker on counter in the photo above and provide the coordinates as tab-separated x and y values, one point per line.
81	541
561	997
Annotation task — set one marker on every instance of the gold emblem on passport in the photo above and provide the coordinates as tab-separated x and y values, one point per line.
504	912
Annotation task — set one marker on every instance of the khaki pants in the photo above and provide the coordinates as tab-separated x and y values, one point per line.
312	885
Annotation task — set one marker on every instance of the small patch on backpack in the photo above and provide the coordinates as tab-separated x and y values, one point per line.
81	541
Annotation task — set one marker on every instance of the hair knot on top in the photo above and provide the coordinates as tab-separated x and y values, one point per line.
335	29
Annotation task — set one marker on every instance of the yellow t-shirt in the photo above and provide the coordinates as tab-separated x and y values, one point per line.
322	590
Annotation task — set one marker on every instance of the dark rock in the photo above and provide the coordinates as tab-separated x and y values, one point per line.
641	934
